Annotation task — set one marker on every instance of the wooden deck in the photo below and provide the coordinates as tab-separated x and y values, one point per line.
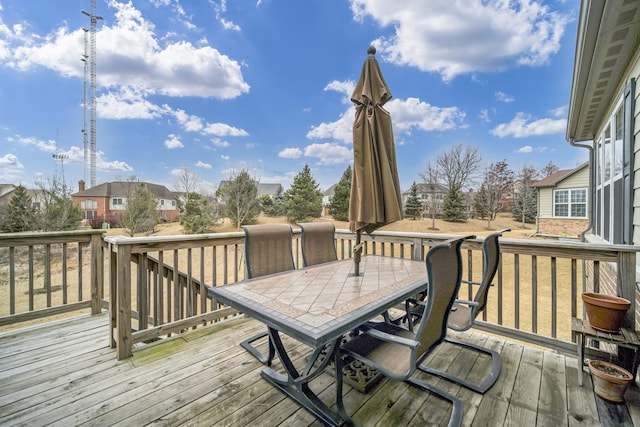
64	374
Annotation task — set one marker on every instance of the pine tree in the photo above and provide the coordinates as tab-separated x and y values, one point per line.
339	206
413	207
18	215
242	205
453	207
197	216
140	214
303	201
481	202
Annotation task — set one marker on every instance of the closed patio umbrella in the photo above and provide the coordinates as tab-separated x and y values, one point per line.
376	198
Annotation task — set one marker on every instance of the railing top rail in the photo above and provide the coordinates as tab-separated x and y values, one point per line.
35	237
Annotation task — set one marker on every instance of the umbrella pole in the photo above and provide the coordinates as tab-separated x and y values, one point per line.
357	251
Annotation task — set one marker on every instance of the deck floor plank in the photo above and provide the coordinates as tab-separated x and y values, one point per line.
64	373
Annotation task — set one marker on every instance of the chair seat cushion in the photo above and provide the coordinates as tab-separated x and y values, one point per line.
460	317
391	359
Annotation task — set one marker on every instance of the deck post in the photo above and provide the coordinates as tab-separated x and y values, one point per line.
97	273
123	302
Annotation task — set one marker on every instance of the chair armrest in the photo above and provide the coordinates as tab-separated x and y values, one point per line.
466	302
384	336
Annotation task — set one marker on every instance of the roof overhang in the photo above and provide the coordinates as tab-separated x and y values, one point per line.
608	36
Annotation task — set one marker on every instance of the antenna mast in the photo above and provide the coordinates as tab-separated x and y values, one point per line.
92	70
85	140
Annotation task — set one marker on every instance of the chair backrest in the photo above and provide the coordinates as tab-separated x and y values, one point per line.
267	249
318	242
491	259
444	273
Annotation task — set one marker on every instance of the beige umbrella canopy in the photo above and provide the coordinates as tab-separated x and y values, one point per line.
376	198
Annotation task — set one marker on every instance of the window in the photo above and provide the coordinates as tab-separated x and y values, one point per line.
570	203
116	201
89	204
612	196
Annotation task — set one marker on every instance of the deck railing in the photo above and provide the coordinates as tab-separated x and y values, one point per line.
535	294
48	274
157	285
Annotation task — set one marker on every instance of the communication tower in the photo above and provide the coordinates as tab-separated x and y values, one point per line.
85	139
92	71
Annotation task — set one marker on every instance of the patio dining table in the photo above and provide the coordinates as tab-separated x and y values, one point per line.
317	306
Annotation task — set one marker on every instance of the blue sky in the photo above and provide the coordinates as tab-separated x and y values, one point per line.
219	86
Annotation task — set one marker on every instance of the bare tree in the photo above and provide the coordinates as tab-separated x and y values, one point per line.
431	177
186	181
458	166
550	169
498	182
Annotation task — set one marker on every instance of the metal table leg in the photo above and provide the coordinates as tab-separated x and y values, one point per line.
296	385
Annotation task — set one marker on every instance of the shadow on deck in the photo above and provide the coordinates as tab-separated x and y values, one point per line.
64	373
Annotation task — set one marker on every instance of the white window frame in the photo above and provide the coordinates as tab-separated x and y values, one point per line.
570	203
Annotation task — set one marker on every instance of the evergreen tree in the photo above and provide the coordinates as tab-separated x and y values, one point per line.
197	215
240	196
57	212
481	202
453	206
303	201
272	206
140	214
413	207
525	208
18	215
339	206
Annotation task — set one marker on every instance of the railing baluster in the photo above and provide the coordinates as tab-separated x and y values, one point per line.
47	272
31	275
554	298
516	290
12	280
534	293
64	272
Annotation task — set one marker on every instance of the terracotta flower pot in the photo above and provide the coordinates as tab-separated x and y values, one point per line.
605	312
610	381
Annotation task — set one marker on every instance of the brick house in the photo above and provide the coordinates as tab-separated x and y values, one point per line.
563	202
105	201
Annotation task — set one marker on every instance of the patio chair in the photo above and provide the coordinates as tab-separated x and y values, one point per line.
267	250
397	352
318	242
464	312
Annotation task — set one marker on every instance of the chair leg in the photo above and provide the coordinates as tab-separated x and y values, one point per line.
457	411
486	383
265	360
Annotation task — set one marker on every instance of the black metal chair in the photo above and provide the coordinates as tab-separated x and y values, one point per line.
397	352
464	312
267	251
318	242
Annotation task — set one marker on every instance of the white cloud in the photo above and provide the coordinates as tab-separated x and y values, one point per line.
223	157
525	149
130	52
46	146
484	115
560	111
340	130
415	114
126	103
523	126
328	153
290	153
454	38
203	165
173	141
10	161
222	129
220	142
503	97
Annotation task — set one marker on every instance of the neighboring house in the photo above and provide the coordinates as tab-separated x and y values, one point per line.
562	202
7	190
105	201
263	189
326	199
603	118
431	197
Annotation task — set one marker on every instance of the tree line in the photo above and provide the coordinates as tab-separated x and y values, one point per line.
457	170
